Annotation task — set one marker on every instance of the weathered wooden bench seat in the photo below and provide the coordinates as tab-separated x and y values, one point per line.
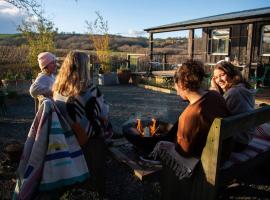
210	174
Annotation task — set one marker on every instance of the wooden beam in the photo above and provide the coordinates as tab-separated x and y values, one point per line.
151	50
128	61
208	24
205	44
164	61
249	50
190	43
151	46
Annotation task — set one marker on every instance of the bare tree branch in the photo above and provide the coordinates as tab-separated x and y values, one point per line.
98	32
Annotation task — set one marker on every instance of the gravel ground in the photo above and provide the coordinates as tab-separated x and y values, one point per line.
126	103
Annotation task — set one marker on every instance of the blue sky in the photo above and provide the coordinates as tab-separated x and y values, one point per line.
125	17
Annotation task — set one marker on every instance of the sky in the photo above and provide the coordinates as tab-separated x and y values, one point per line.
125	17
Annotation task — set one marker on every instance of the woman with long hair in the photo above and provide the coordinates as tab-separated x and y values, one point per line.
238	94
83	106
81	103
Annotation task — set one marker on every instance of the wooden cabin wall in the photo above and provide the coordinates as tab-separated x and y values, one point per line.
237	48
238	44
256	56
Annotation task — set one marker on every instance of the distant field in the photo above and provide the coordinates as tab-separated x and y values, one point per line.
2	36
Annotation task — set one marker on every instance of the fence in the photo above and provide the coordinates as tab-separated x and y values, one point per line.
160	61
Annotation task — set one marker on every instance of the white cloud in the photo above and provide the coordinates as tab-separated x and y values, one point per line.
135	33
10	17
8	9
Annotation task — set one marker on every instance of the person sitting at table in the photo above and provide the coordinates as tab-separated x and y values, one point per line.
238	94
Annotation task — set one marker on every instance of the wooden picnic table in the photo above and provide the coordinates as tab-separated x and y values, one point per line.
124	152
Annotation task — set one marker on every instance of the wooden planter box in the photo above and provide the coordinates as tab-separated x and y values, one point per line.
18	86
110	78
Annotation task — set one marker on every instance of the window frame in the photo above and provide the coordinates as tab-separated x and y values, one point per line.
261	43
211	41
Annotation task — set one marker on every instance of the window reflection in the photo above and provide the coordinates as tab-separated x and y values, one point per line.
220	41
266	41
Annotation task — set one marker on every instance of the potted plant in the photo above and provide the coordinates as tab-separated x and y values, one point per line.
124	75
106	77
9	80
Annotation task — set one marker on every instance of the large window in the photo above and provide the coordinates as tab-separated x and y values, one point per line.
198	41
265	48
220	41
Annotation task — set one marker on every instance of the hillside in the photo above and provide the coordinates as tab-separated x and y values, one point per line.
79	41
117	43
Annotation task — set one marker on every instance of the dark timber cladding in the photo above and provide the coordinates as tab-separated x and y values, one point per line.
245	30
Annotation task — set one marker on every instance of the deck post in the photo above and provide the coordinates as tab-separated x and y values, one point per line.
151	50
164	61
128	62
190	43
249	51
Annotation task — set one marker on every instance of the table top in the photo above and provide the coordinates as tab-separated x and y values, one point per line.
125	153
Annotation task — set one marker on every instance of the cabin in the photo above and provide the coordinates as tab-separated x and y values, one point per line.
243	37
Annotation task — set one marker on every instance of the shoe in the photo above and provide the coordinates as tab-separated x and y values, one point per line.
150	159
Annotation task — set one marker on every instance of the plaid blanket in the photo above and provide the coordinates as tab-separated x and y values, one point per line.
52	157
183	167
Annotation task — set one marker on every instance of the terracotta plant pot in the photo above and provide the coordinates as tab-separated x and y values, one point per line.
124	76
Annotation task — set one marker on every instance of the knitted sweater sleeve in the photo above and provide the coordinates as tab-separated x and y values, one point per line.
41	86
235	102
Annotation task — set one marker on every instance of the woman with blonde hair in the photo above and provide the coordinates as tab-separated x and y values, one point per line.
80	102
83	106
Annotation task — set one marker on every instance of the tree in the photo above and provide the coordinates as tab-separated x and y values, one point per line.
98	32
40	37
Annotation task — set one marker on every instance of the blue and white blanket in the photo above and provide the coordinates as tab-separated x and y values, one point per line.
52	157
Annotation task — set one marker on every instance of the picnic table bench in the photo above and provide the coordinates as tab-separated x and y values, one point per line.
210	174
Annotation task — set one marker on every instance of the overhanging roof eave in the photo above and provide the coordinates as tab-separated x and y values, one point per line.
187	26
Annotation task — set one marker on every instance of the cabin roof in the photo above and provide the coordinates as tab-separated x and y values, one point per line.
240	15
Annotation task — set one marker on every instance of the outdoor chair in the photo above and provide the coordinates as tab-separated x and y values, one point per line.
211	174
